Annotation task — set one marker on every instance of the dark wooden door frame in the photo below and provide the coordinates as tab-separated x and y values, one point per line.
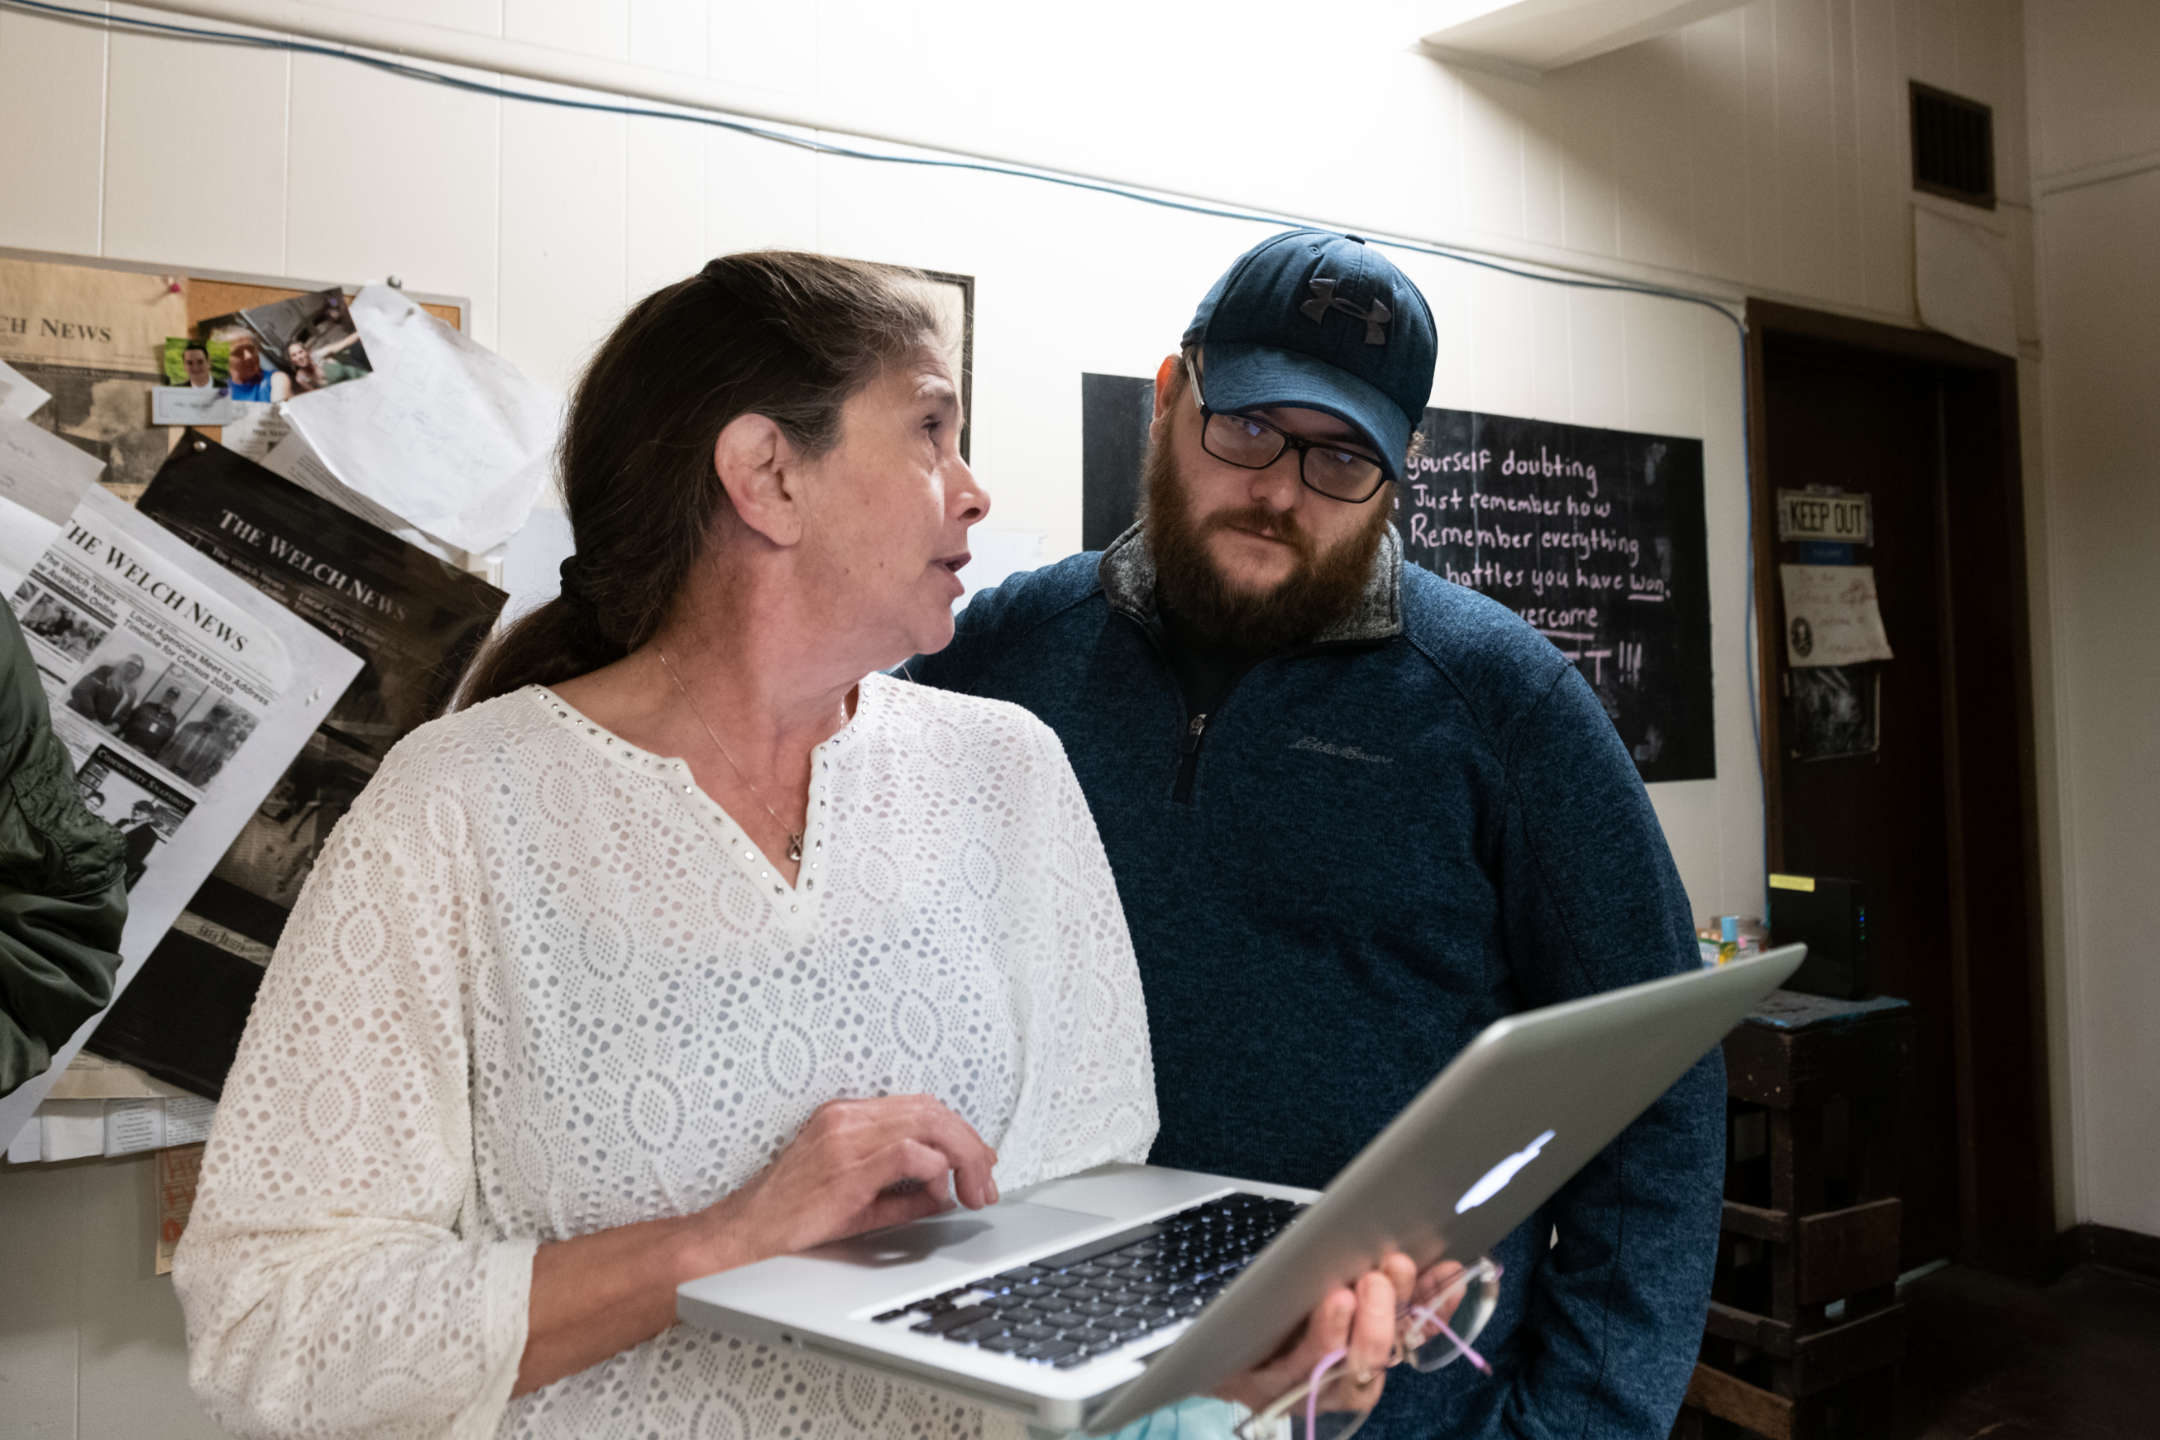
2006	1183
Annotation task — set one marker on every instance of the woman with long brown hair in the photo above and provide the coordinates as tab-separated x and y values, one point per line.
691	939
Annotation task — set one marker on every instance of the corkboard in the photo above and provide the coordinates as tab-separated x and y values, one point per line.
208	299
133	452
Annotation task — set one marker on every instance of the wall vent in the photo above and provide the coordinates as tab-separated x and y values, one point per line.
1953	146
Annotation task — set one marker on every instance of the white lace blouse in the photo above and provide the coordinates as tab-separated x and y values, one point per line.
539	984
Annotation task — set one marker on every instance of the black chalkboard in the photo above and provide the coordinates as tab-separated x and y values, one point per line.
1114	415
1596	537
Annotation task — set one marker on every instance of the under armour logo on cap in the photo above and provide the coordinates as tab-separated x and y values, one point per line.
1324	299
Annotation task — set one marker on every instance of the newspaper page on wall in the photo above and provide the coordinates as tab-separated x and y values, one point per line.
92	340
181	693
415	622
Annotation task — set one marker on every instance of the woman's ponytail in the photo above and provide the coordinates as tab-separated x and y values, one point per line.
784	334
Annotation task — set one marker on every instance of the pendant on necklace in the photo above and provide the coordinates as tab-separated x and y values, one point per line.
794	849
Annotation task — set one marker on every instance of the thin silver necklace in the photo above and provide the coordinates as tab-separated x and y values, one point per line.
794	836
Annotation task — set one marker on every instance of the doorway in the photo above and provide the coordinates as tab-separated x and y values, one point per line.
1925	793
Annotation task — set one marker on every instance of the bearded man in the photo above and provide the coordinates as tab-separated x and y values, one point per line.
1356	814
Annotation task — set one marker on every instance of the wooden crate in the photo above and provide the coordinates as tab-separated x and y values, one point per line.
1805	1331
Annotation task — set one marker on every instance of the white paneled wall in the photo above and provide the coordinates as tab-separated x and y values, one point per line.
228	216
2103	333
2096	137
1763	150
2091	69
52	86
392	178
1764	147
564	252
90	1345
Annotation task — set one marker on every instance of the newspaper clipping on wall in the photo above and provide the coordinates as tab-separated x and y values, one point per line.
415	622
92	340
181	693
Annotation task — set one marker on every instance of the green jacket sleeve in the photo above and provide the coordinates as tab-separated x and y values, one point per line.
62	894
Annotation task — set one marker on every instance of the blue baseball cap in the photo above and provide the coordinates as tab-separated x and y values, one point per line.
1325	322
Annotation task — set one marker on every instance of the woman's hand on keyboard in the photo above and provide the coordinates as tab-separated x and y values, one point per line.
856	1165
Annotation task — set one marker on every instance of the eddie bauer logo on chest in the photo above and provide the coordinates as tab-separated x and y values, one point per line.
1343	752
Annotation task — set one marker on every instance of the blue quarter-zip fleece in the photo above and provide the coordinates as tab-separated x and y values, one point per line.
1375	846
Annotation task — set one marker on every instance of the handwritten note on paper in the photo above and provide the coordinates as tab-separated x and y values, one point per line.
186	405
445	434
1830	615
41	472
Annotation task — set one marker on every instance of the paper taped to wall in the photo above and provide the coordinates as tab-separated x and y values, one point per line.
292	458
1830	615
446	434
188	405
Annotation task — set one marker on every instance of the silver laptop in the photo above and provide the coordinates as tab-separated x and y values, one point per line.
1090	1301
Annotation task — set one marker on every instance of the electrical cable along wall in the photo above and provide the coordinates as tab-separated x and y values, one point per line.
681	94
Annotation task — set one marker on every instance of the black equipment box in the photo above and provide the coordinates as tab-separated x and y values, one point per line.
1829	915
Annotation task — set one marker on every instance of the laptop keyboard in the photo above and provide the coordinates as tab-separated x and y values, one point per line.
1066	1309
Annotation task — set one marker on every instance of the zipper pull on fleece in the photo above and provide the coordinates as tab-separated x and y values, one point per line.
1188	760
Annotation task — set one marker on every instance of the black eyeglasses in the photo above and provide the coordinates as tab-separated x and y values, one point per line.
1325	467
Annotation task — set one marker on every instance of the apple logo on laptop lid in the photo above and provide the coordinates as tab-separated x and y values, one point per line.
1495	1180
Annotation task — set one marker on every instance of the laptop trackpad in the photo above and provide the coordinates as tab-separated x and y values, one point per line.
968	1238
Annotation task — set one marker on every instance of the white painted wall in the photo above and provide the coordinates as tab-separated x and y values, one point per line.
89	1338
2096	142
1761	151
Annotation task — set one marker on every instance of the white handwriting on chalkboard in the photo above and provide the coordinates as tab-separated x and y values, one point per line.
1477	462
1564	548
1451	462
1559	619
1551	466
1582	544
1424	498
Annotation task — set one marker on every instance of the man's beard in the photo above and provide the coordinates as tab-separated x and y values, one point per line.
1321	590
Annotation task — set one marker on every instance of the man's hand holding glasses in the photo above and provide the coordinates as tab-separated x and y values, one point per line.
1330	1374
